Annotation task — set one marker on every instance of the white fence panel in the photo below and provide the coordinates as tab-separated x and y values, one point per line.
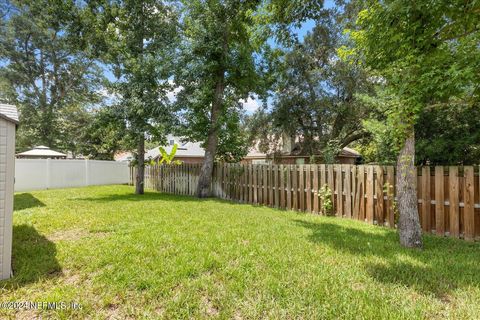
37	174
113	172
66	173
31	174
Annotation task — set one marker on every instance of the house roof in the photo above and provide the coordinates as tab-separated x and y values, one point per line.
9	112
42	151
123	156
184	149
349	152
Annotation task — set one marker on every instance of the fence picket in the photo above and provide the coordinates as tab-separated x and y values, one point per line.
453	195
426	205
469	207
331	184
276	183
439	202
380	217
355	197
308	188
301	187
282	186
369	209
323	183
289	187
390	184
295	187
270	185
339	189
265	185
348	191
253	170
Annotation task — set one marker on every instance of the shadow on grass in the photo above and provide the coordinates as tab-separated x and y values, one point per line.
34	257
25	201
148	196
441	267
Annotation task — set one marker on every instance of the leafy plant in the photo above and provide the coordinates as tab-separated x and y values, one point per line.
325	195
169	158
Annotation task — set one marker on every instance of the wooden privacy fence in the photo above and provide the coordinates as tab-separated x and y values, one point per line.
448	197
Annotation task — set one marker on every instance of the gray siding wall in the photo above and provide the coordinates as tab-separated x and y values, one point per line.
7	169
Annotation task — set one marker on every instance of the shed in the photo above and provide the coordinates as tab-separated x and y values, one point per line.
41	152
8	123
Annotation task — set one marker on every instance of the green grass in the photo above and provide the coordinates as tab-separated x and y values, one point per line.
161	256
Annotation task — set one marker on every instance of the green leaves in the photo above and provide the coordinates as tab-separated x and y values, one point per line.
218	64
168	158
424	52
315	94
45	72
137	43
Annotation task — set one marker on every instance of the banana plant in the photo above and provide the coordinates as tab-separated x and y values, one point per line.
168	158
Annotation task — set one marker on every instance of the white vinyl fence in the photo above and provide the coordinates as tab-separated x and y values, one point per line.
37	174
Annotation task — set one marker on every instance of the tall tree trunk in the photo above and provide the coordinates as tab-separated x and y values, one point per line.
205	179
409	223
139	186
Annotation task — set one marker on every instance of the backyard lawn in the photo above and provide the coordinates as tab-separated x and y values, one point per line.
160	256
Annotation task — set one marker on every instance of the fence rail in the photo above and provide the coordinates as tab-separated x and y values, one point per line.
448	197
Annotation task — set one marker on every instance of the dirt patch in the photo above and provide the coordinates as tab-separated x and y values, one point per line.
358	287
159	311
209	308
445	298
70	278
113	312
68	235
74	234
27	314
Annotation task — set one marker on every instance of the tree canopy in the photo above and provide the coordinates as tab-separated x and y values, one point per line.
314	96
44	72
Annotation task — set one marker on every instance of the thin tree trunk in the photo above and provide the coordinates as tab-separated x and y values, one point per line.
205	179
139	186
409	223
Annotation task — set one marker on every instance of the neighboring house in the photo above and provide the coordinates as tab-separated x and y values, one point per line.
187	152
41	152
192	152
290	153
123	156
